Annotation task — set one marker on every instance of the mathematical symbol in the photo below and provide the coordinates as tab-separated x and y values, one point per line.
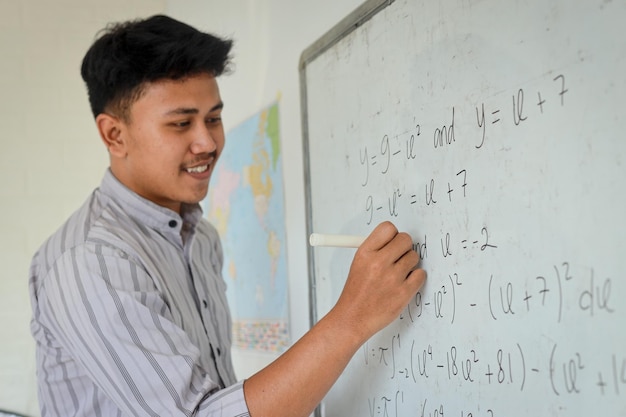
382	355
601	383
429	193
540	102
518	108
489	374
496	120
463	242
563	89
528	297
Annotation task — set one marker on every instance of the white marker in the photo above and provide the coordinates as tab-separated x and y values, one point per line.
341	241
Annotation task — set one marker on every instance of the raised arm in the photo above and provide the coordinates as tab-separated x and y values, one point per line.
381	282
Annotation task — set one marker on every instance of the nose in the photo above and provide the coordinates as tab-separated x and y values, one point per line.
204	141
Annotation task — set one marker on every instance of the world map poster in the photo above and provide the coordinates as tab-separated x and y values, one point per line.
246	205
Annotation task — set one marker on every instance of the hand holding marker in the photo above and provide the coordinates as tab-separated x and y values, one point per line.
338	241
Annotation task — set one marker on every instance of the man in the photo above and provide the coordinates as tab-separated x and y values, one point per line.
129	308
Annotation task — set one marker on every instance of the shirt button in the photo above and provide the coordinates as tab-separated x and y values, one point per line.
173	223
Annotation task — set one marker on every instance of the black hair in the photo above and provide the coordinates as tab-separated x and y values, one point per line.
129	54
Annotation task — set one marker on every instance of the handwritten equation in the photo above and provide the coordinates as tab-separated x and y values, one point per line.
550	294
555	296
564	371
386	159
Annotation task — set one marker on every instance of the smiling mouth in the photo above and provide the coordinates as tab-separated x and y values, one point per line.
198	169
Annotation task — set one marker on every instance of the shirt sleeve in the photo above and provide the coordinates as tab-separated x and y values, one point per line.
117	330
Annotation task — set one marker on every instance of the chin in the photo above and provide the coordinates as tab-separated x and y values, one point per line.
197	197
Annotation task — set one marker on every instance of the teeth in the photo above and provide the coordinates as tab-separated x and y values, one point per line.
197	170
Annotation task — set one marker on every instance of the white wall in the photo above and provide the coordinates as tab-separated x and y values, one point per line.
270	36
51	157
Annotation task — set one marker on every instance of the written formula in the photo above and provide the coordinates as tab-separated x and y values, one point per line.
568	291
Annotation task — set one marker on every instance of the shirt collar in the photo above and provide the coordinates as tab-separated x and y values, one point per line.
145	211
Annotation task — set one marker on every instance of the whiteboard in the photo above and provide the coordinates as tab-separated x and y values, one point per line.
491	131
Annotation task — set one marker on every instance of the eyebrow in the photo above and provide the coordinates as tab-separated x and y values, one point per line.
193	110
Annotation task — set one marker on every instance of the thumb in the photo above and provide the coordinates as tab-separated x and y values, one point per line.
380	236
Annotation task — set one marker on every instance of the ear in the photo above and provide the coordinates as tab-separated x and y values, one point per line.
111	130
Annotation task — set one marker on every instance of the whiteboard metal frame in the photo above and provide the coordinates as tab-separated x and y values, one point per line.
350	23
355	19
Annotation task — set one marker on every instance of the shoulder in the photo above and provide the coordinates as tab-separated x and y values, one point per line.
73	232
90	226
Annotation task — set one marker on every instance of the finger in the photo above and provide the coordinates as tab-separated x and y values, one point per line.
380	236
397	247
415	280
408	262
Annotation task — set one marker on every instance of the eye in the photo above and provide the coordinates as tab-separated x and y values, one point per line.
181	124
213	120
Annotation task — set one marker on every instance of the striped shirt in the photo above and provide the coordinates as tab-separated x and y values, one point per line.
130	315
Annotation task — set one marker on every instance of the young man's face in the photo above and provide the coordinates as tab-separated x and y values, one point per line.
172	141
